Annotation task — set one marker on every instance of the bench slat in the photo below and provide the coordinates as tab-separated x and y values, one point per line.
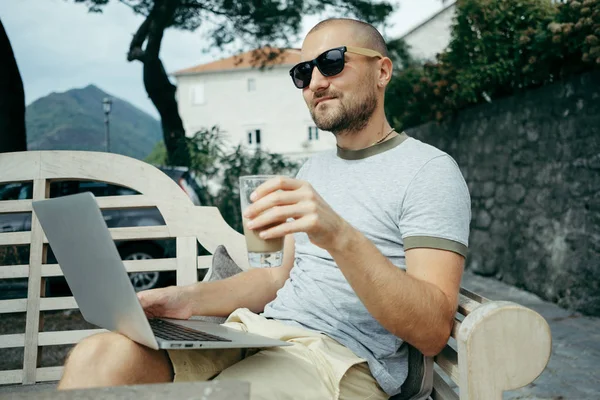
50	270
204	262
49	374
455	328
14	271
15	206
104	202
46	374
13	340
13	306
130	233
448	361
66	337
14	238
123	202
37	256
156	264
137	233
187	260
48	338
466	305
473	296
58	303
10	377
46	304
441	390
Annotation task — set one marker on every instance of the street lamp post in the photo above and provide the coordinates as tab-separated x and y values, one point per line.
107	105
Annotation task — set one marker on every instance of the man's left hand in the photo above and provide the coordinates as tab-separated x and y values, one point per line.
279	199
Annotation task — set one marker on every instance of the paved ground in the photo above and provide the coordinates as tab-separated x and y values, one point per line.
572	374
574	368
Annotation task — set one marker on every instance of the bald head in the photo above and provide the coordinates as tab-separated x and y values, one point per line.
364	34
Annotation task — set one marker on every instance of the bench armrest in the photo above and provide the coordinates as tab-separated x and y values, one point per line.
501	346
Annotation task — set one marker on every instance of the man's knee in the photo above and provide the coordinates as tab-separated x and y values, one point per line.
102	349
109	359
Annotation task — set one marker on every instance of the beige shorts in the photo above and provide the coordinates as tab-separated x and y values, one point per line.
315	367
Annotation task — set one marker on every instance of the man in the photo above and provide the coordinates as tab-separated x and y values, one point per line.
375	240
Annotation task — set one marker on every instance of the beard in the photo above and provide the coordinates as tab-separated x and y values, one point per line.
346	117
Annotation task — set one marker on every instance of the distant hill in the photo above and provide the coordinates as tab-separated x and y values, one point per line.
74	120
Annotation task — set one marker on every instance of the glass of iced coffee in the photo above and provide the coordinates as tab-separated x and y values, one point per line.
261	252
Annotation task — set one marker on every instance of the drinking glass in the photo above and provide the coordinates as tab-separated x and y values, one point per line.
261	252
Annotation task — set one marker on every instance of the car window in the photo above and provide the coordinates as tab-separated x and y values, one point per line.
123	191
26	191
189	190
99	189
12	191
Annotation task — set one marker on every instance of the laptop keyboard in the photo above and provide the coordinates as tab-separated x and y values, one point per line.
169	331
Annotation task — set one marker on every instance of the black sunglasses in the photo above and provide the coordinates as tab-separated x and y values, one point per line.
329	63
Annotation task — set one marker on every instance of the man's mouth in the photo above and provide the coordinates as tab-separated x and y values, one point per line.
322	99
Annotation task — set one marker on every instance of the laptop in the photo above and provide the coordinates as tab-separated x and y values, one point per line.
99	282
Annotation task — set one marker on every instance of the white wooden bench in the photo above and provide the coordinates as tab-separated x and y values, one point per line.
495	345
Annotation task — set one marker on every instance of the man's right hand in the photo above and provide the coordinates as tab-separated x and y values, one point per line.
169	302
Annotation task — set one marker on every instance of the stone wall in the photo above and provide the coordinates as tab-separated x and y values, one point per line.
532	163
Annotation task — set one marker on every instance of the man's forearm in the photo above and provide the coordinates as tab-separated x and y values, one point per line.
251	289
415	311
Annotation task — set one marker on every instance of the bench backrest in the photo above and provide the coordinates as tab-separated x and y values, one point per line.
495	346
185	223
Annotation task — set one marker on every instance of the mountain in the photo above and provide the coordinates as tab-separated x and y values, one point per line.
74	120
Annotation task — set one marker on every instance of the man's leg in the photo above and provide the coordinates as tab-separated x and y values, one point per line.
111	359
299	373
358	383
286	373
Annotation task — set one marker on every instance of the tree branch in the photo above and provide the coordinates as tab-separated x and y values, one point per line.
135	48
165	12
238	27
133	8
205	8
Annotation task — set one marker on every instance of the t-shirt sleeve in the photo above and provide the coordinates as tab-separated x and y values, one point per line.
436	209
302	171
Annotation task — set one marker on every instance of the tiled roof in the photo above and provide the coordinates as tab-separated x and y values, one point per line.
245	60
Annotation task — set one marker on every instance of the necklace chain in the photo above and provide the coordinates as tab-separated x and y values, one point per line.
383	138
380	140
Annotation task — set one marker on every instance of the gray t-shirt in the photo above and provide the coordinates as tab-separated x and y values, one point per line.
400	194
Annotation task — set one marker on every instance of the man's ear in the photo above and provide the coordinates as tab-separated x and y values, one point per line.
385	72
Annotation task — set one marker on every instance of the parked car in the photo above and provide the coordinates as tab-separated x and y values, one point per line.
129	250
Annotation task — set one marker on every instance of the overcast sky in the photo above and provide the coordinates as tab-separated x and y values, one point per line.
59	45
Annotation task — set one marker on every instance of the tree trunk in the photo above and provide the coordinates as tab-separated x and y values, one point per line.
156	81
162	93
12	100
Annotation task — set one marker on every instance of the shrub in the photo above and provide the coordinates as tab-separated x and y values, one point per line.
497	48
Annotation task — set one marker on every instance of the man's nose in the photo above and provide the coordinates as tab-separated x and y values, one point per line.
318	81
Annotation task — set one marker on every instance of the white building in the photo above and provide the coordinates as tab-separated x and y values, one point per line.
253	106
432	36
262	107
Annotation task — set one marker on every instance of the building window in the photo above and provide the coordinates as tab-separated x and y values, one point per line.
198	94
251	84
313	133
254	137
